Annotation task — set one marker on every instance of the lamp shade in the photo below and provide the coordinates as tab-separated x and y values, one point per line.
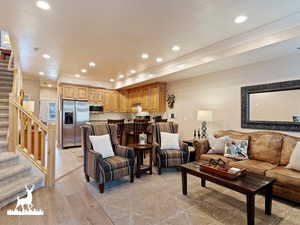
205	115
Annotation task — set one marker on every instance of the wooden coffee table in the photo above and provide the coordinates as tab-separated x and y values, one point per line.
250	185
140	151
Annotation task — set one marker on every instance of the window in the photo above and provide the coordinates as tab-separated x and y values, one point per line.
51	111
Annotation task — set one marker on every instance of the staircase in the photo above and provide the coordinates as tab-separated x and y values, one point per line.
15	173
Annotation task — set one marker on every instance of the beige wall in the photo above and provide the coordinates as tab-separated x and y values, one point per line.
47	95
32	90
220	92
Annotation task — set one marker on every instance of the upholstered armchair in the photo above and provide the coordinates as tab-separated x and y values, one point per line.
165	158
104	170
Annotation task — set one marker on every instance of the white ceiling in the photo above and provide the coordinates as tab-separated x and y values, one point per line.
114	34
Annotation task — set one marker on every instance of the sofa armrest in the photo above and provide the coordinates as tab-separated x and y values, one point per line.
201	147
125	152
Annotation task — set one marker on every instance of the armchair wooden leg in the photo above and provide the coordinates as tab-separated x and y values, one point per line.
132	177
87	178
101	188
159	170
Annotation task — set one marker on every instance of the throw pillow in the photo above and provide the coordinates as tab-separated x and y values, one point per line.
102	145
295	158
236	149
169	141
217	145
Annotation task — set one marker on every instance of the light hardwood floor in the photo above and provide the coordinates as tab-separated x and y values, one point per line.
67	160
68	203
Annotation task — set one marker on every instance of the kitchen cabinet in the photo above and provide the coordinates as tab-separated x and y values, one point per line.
74	92
92	96
82	93
151	97
111	101
99	96
68	92
123	101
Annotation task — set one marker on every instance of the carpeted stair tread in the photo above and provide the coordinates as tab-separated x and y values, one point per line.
3	107
3	123
13	171
5	77
8	156
11	190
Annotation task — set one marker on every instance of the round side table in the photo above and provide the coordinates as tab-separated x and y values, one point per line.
140	151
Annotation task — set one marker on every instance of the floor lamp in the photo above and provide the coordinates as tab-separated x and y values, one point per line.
204	116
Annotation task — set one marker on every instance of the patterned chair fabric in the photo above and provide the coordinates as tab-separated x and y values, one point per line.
168	158
111	168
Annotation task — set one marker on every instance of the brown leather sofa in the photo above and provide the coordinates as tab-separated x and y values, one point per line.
269	153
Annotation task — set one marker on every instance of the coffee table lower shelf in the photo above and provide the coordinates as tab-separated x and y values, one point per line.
249	185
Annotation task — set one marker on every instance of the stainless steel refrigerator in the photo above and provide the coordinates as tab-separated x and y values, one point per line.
75	114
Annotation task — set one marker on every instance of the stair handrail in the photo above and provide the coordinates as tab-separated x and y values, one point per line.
11	64
30	115
29	135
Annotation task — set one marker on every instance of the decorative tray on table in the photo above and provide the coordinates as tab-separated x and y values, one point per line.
220	168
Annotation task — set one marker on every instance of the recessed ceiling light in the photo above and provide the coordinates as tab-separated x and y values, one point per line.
49	86
159	59
112	80
132	71
43	5
77	75
92	64
145	56
46	56
83	70
240	19
175	48
42	73
121	76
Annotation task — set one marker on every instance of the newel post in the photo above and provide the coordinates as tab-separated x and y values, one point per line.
13	125
50	178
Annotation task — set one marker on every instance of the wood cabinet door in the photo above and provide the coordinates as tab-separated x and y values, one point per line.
115	101
68	92
154	99
107	101
146	99
130	100
99	96
82	93
123	101
92	95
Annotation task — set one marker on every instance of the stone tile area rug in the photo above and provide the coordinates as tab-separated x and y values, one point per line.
157	200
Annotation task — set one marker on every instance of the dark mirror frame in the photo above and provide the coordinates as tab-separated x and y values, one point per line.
267	125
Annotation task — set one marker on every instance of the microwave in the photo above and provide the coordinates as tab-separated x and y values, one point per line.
96	108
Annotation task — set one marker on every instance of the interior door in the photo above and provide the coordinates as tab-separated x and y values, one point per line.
82	116
68	125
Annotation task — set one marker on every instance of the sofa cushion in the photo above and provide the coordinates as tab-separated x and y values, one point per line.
285	177
236	149
265	147
288	147
253	166
215	156
115	162
172	157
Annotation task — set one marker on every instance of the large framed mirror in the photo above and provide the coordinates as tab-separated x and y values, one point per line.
273	106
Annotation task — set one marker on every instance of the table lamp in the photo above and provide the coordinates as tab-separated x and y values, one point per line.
204	116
